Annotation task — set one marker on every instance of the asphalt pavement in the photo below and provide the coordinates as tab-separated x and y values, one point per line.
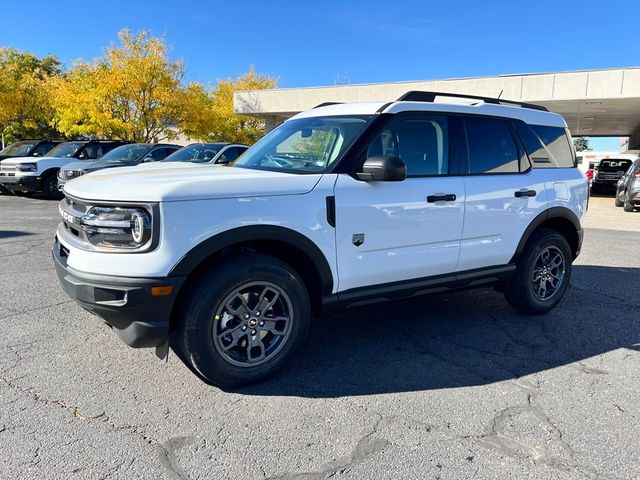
454	386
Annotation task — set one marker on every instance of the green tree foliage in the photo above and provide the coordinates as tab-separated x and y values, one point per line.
581	144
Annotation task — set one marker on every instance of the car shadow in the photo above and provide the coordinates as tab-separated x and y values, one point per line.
13	233
460	339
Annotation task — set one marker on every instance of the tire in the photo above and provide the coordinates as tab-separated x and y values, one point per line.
523	293
50	186
212	334
628	206
618	202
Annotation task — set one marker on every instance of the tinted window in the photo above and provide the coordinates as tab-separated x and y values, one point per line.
557	143
421	141
492	148
230	154
90	152
43	148
161	153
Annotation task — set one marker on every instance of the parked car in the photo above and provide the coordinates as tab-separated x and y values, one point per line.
128	155
26	148
213	153
339	206
628	188
28	175
607	174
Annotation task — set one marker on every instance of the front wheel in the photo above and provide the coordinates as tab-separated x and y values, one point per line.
628	206
618	202
50	187
243	320
542	274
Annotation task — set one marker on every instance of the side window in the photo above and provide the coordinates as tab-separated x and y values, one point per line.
492	148
161	153
90	152
42	149
548	147
421	141
106	147
231	153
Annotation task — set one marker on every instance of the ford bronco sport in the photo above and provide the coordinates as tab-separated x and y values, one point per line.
340	206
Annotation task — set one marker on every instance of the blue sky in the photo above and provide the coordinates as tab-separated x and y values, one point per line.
313	43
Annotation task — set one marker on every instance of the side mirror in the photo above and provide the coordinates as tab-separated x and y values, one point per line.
147	159
36	154
222	160
383	168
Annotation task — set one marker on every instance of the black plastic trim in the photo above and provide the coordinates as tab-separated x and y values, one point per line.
416	287
217	243
429	97
124	303
331	211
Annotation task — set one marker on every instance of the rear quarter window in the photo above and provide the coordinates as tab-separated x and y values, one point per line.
547	147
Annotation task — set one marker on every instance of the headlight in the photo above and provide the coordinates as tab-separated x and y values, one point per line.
26	167
125	228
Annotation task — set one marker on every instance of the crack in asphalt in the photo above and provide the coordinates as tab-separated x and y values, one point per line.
505	431
35	309
103	418
369	444
167	454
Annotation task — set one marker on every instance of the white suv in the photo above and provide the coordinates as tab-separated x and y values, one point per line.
340	206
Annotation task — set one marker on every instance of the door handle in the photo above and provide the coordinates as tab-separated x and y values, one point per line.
526	193
449	197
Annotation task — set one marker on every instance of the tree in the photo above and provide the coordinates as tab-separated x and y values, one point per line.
25	109
135	92
581	144
219	122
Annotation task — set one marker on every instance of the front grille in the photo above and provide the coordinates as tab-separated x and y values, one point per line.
69	174
7	169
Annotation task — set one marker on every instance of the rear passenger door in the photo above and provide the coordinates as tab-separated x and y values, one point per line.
503	193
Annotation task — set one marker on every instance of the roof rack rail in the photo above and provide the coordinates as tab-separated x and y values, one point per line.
421	96
326	104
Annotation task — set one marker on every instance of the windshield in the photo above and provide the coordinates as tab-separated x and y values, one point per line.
306	145
68	149
197	153
613	165
18	149
131	154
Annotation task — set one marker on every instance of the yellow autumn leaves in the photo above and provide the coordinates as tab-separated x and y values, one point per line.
134	92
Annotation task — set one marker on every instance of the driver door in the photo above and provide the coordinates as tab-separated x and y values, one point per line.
400	231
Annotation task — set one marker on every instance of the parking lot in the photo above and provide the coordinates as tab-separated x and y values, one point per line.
452	386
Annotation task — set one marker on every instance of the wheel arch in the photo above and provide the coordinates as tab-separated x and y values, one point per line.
561	219
288	245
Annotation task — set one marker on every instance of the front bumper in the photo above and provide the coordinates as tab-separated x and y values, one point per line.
126	304
23	183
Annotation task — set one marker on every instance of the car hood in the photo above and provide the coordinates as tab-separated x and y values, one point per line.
16	160
177	181
90	166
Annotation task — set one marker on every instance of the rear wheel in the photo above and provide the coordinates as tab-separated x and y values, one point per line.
243	320
542	274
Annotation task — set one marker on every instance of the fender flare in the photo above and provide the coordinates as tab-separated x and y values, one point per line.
212	245
551	213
